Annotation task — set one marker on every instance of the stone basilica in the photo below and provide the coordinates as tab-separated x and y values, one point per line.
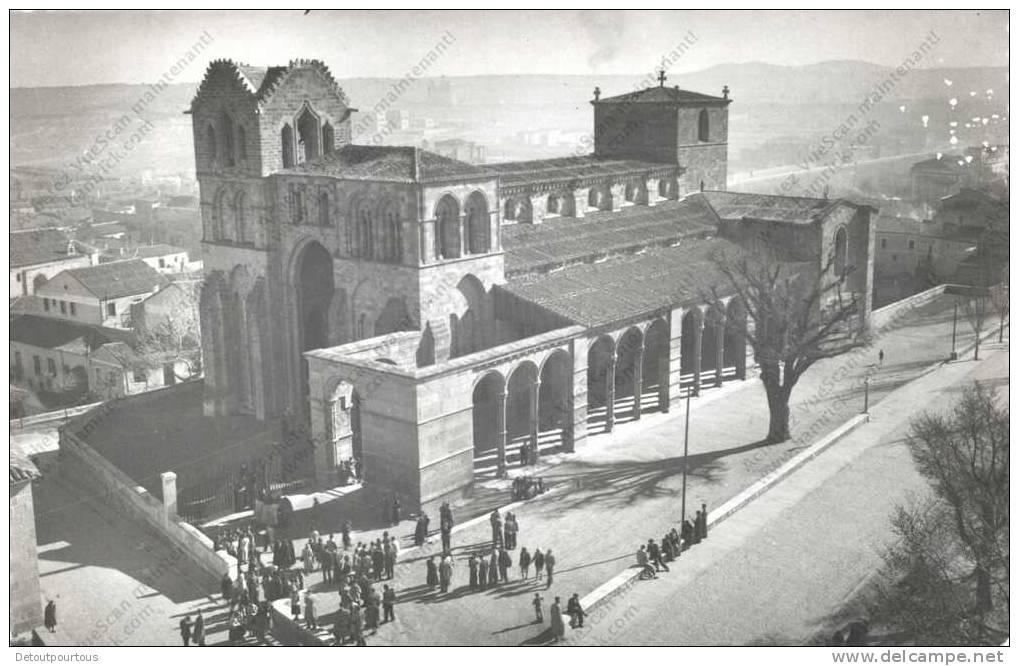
428	315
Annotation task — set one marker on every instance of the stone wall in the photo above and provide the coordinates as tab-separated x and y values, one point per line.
26	599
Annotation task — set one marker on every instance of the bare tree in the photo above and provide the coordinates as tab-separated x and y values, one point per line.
797	315
174	335
999	298
947	578
976	308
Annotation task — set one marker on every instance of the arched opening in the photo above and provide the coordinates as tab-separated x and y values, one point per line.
307	135
711	339
552	204
703	128
389	233
630	194
365	226
287	139
509	213
599	359
568	205
629	349
426	348
466	331
356	431
841	252
486	401
226	127
314	272
600	197
688	360
328	140
323	209
477	225
38	281
220	217
447	215
592	197
734	356
394	317
555	403
521	409
655	388
210	143
242	143
240	219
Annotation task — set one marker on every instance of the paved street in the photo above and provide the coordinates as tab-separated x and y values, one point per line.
623	489
114	583
776	571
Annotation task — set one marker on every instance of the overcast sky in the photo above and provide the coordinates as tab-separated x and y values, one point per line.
64	48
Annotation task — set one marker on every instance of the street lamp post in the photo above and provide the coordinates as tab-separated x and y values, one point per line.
866	394
955	318
686	449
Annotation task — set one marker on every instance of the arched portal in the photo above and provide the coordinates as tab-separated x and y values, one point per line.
689	361
703	127
555	403
308	135
711	347
629	367
314	287
655	390
521	408
734	357
552	204
226	125
287	140
356	432
487	401
477	224
841	252
447	222
600	368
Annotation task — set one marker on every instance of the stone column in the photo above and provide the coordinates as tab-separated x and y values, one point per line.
500	431
610	392
463	237
698	337
719	350
169	496
638	378
579	202
330	434
567	411
535	401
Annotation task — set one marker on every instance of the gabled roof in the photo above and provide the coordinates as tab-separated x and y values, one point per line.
53	333
261	82
404	164
117	279
157	250
664	95
39	246
736	206
566	169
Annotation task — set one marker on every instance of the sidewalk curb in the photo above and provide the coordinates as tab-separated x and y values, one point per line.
628	576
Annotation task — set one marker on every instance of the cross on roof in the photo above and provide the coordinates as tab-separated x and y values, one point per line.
661	77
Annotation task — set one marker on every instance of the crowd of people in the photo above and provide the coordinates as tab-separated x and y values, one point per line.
653	557
527	487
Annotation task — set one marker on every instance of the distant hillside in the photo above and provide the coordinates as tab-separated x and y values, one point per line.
50	126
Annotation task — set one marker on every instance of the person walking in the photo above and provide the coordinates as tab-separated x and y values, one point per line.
646	570
309	612
445	572
447	537
880	357
493	568
482	573
396	511
575	611
345	534
431	573
507	532
654	554
185	630
704	521
388	604
199	630
390	560
505	562
357	624
539	563
525	563
549	567
558	628
50	616
496	520
472	569
537	602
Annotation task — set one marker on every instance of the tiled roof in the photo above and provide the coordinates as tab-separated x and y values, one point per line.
51	333
261	82
626	286
389	163
22	469
664	95
38	247
738	205
157	250
537	247
119	278
565	169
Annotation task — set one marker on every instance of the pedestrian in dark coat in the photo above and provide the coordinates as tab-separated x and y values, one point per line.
472	568
655	555
493	568
199	630
696	527
388	604
687	534
505	562
556	613
704	521
525	563
575	611
185	630
549	567
345	531
482	573
539	563
397	511
447	538
496	521
357	624
536	602
390	557
50	616
431	573
226	586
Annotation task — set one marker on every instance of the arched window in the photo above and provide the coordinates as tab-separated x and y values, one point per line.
447	217
477	224
327	139
841	252
703	128
307	132
297	204
242	143
365	232
287	137
592	197
219	214
552	205
323	209
210	142
226	126
389	233
510	212
241	219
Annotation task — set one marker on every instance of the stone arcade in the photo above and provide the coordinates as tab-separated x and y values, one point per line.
429	315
